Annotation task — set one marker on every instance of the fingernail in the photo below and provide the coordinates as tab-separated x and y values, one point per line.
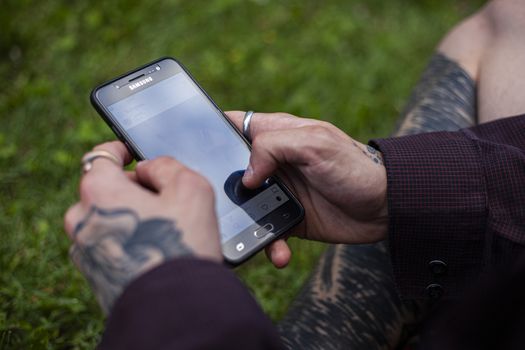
141	163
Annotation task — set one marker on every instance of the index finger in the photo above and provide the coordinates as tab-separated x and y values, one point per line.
263	122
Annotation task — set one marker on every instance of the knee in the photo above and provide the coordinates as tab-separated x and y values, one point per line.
467	41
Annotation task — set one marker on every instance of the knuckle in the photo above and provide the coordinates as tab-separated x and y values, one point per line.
292	119
257	142
195	181
260	145
193	189
162	167
288	115
195	184
159	162
319	131
165	160
261	141
320	138
285	115
327	125
327	132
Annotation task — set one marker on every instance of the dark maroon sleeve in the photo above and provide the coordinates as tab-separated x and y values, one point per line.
188	304
456	205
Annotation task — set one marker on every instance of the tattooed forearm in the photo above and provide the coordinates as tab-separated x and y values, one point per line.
350	302
373	154
112	248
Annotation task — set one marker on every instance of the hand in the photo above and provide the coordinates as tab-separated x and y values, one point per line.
340	182
127	223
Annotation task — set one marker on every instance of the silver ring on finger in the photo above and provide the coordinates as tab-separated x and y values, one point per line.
246	125
89	158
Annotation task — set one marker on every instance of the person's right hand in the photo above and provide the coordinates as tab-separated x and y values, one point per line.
340	182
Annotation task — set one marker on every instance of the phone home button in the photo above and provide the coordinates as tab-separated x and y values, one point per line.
263	230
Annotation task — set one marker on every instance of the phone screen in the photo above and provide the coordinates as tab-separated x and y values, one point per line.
175	118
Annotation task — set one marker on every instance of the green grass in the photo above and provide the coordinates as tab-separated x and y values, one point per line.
350	62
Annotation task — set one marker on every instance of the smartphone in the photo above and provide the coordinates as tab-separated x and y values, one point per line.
160	110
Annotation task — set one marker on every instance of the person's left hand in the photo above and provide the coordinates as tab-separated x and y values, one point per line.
127	223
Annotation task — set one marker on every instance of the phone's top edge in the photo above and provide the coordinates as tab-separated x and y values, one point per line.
94	91
100	93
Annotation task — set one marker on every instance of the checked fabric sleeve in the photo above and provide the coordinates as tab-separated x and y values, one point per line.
188	303
457	198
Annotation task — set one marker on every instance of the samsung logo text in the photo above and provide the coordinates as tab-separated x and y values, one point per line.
140	83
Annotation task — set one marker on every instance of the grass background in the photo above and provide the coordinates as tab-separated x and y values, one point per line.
349	62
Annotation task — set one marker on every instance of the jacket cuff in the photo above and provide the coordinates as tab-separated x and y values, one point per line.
437	209
188	303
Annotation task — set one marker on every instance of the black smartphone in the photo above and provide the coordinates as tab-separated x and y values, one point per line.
160	110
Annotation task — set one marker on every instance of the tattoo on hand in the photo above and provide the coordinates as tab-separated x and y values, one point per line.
373	154
113	247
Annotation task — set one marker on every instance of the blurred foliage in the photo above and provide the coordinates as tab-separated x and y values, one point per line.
349	62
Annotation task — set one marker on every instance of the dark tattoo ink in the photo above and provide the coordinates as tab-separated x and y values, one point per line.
326	270
443	99
351	302
113	247
373	154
